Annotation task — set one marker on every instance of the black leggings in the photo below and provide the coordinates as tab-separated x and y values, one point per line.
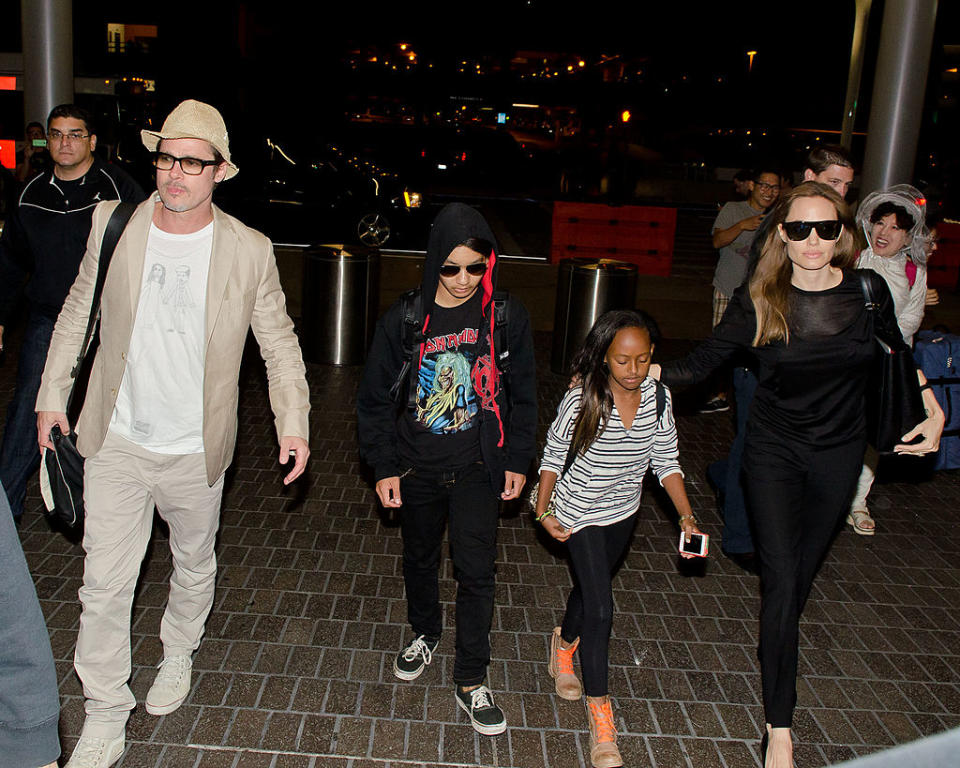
594	551
796	496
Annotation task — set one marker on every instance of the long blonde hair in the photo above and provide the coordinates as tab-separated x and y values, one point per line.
769	284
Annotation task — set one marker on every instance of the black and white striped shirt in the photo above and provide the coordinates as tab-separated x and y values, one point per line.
603	486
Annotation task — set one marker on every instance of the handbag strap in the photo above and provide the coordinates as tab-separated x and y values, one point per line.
880	328
111	236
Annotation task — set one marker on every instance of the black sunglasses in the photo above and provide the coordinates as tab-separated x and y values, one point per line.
800	230
452	270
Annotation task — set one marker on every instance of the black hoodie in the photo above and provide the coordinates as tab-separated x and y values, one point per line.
508	412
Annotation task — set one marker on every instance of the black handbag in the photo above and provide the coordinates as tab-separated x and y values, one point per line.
61	473
893	400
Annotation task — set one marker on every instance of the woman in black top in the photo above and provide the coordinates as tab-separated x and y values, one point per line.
802	316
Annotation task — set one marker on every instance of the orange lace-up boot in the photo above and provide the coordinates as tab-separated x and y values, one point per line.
561	668
603	734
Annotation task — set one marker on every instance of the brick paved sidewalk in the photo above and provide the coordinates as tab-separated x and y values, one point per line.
295	669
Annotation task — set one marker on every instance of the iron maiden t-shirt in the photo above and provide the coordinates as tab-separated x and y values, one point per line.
440	431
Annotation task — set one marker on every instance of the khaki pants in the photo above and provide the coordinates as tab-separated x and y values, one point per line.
122	483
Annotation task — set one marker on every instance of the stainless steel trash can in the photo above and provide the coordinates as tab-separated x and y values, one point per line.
341	290
586	288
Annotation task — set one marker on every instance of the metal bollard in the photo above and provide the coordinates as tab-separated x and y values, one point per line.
340	301
586	288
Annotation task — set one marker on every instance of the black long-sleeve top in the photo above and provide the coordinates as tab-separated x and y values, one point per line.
46	235
811	390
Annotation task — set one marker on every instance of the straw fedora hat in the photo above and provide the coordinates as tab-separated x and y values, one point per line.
194	120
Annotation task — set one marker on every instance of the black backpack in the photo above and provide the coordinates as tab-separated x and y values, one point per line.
411	336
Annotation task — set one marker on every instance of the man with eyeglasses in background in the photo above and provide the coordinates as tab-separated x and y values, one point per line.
733	232
45	238
159	422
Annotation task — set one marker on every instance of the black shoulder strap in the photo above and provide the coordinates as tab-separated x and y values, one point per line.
411	314
881	330
568	462
411	334
501	330
111	236
867	289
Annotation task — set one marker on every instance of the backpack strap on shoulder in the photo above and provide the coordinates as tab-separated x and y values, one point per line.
661	396
501	328
411	335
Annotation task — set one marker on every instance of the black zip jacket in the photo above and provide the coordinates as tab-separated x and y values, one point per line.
46	235
508	421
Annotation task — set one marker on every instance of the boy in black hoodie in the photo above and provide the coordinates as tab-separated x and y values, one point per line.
459	437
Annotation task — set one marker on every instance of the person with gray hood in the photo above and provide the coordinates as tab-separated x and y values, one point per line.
893	222
447	418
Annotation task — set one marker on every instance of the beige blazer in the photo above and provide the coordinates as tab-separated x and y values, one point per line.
243	292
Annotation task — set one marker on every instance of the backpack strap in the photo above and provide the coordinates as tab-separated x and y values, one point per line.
411	334
501	330
661	395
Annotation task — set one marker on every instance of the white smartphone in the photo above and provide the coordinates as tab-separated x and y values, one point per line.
698	545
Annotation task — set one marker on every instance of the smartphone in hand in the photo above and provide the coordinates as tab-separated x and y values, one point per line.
698	545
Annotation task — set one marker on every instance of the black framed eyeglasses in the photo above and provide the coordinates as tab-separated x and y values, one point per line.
192	166
800	230
452	270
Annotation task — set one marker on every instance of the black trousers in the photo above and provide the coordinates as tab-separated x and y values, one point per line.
594	551
466	499
797	496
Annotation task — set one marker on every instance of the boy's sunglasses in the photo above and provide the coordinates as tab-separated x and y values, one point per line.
452	270
800	230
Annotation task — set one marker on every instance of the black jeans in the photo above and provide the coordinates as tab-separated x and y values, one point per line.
466	498
797	497
19	455
594	551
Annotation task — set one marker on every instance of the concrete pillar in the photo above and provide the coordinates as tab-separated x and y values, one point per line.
900	85
856	70
47	56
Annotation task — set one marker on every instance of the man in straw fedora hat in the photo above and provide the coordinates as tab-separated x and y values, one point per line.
159	421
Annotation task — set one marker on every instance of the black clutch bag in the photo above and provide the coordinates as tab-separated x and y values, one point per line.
63	478
894	402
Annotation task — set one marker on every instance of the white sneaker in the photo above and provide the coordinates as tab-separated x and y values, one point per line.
171	686
92	752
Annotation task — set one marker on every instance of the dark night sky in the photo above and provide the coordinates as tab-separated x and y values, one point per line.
293	50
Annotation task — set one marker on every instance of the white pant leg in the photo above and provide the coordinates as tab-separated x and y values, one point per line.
119	519
191	508
865	483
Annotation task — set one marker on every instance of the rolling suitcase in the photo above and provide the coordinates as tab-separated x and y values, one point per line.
938	356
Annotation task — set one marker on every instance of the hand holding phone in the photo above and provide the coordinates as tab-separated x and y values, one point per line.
698	546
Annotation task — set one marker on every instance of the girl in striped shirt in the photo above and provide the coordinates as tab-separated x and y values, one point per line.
606	434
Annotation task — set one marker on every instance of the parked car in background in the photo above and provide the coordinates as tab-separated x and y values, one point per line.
314	192
305	192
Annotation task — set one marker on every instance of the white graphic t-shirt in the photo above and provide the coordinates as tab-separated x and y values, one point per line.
160	403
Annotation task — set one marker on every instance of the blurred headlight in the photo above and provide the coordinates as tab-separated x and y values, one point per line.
412	199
